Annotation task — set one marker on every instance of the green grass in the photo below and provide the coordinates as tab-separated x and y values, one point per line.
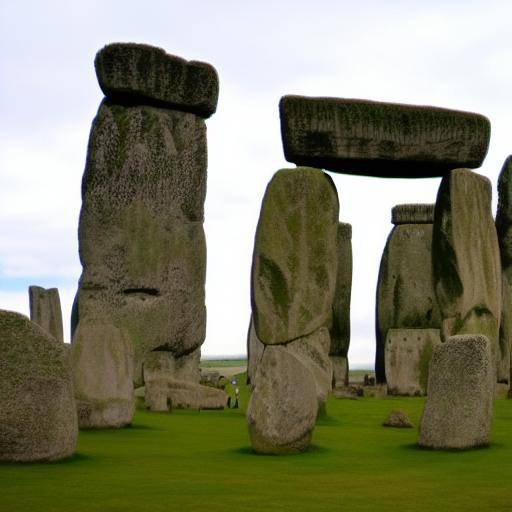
188	461
222	363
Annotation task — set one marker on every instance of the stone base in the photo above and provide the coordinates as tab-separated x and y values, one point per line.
339	371
105	414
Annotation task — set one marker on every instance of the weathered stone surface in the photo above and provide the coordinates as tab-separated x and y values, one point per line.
138	73
102	357
164	394
504	229
45	310
141	236
419	213
405	291
339	371
254	352
397	419
340	330
458	410
37	409
283	406
161	364
381	139
313	352
466	259
295	256
408	353
351	392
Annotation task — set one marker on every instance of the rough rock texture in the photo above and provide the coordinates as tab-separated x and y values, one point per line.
458	410
504	229
129	72
163	394
141	237
340	330
408	353
339	371
254	353
102	357
405	291
45	310
381	139
466	259
162	364
313	352
295	256
351	392
283	406
37	409
397	419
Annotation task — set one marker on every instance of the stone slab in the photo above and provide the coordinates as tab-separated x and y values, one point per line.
45	310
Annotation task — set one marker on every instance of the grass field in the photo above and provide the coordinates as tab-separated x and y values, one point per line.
188	461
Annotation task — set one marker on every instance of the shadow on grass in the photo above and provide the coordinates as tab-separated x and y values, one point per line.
75	458
313	450
415	447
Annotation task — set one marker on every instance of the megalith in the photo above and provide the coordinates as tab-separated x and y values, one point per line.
294	274
466	259
458	410
45	310
504	230
381	139
340	330
38	420
254	352
141	238
405	291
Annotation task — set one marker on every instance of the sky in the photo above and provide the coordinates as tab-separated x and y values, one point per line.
454	54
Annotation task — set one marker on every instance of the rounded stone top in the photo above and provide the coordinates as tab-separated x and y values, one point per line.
412	214
345	231
139	73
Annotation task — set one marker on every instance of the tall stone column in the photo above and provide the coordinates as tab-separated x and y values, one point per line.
45	310
141	237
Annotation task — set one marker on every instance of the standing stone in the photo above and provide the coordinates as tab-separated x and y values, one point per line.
504	229
141	236
45	310
283	406
405	291
408	353
38	419
458	410
466	258
295	256
340	330
102	357
381	139
254	353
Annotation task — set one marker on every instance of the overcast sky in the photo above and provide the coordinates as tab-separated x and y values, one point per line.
450	54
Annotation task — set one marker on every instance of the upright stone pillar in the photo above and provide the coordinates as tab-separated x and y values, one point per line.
466	259
504	229
141	236
405	293
293	283
45	310
340	330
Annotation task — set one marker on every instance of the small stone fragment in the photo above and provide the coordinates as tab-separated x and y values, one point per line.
38	420
458	410
381	139
139	73
397	419
45	310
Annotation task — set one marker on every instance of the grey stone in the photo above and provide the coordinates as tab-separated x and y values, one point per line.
466	259
340	330
397	419
254	352
102	357
504	230
408	353
163	364
283	406
351	392
405	291
381	139
138	73
45	310
38	418
295	256
209	378
141	237
458	410
340	371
